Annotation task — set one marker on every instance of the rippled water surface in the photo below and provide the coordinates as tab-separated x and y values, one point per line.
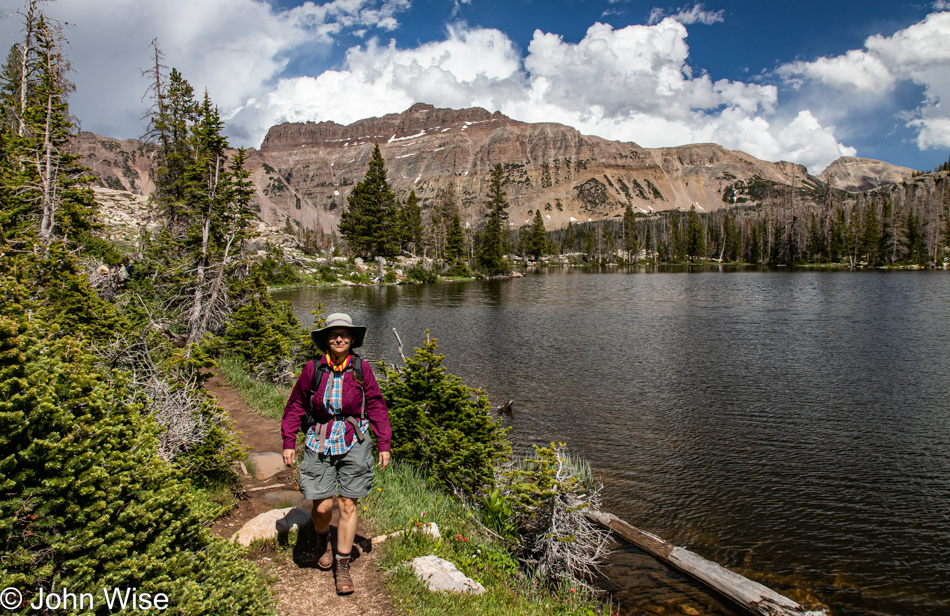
793	426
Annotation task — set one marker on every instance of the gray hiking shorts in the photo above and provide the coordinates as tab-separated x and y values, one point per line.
350	475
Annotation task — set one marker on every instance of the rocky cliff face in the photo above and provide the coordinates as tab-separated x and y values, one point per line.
860	174
304	171
120	165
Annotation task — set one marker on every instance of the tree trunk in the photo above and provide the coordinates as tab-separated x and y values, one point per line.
197	311
217	287
24	71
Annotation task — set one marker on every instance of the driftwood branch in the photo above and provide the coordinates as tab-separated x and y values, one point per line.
506	409
751	596
399	340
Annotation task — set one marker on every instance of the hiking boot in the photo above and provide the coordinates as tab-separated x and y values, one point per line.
322	553
344	583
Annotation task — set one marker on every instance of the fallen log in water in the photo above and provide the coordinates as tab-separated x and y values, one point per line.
752	596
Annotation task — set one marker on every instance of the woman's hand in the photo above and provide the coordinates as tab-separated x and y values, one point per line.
383	459
289	457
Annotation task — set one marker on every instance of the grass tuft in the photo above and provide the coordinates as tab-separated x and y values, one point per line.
265	398
400	495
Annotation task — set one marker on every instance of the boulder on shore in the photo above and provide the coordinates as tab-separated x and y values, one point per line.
442	576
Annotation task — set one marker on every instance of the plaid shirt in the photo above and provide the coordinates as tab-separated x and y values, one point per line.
335	444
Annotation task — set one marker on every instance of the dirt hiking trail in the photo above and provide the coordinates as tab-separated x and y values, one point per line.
299	590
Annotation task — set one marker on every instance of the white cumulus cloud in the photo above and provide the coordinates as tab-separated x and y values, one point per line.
629	84
632	84
697	14
919	53
471	67
856	70
235	48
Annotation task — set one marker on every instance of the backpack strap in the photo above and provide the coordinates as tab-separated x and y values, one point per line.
309	419
356	365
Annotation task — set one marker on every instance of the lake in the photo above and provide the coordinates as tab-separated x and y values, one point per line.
791	425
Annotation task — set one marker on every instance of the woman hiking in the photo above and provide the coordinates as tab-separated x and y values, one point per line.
335	401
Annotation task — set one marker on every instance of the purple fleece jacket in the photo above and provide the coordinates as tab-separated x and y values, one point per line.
376	410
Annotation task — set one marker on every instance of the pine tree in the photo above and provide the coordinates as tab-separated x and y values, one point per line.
888	232
590	244
871	236
570	241
240	215
676	244
914	237
445	209
455	241
537	243
837	246
412	220
442	424
816	245
174	114
755	243
493	245
88	504
367	223
42	185
732	240
648	242
696	236
204	199
631	242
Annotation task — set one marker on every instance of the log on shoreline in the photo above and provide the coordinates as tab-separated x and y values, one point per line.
745	593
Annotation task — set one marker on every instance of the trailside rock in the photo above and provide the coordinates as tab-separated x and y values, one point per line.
268	524
442	576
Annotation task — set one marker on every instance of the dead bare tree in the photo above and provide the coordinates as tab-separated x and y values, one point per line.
551	495
175	401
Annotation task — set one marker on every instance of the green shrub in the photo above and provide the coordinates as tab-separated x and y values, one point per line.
420	273
99	248
274	269
458	268
266	334
327	274
358	277
68	300
87	503
443	425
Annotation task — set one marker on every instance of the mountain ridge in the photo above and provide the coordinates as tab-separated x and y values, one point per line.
303	171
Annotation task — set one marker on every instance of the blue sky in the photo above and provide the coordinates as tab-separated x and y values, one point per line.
806	81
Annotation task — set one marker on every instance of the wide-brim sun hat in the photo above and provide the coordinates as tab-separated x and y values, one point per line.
338	319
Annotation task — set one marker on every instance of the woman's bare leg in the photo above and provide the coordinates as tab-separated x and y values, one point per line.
346	531
321	513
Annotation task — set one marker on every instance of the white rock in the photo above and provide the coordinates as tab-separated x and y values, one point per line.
442	576
269	523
